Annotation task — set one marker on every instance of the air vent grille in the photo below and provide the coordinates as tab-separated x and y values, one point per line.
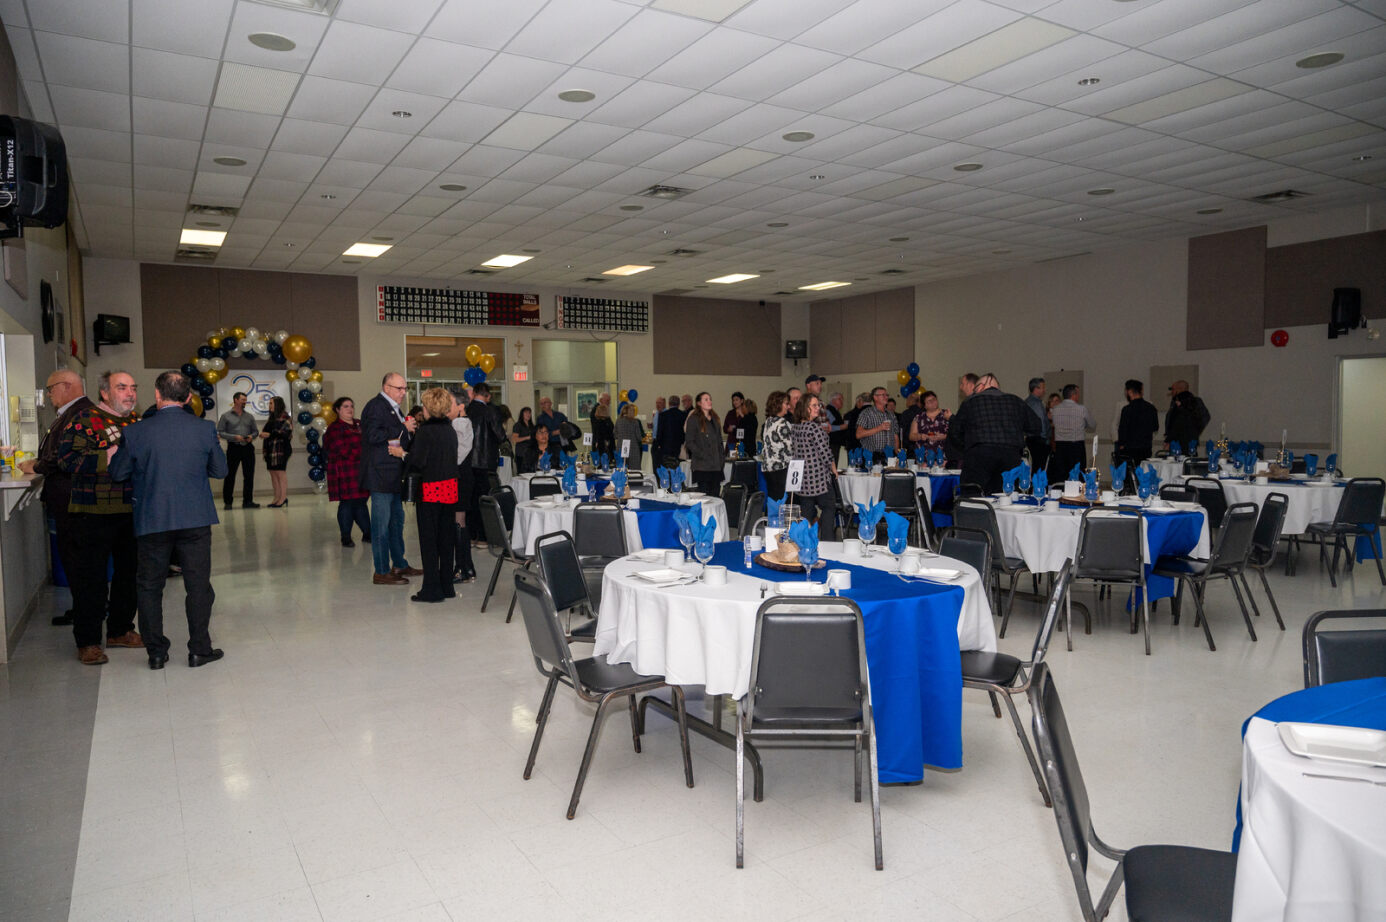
664	192
201	254
216	211
683	252
1275	198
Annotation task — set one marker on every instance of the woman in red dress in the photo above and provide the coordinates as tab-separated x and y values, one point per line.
342	443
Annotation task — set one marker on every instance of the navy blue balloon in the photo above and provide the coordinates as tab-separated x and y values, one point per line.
274	347
207	403
204	352
312	435
229	344
279	359
190	370
904	390
310	362
305	395
317	474
305	417
206	390
913	369
219	353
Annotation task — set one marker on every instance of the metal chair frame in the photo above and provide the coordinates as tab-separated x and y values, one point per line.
1316	655
543	485
1137	524
1263	545
734	496
1211	497
561	570
1227	561
926	516
753	511
1178	493
999	562
498	543
1364	492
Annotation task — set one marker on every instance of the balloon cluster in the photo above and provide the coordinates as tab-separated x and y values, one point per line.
627	397
908	377
481	365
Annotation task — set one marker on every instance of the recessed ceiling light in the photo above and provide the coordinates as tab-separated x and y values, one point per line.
898	239
823	286
817	176
202	237
798	137
366	249
328	196
577	96
1210	211
506	261
1090	81
385	239
207	224
229	161
733	278
1323	59
429	355
968	167
632	207
290	245
453	187
1100	191
272	41
627	270
778	224
1363	157
532	251
402	113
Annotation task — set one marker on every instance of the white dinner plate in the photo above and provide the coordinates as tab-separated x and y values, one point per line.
649	555
661	575
800	589
1358	745
941	573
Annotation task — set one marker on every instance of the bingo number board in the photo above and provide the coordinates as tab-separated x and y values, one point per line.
403	304
603	314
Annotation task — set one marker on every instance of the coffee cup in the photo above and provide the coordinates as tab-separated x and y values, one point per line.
839	579
1108	496
851	547
910	563
715	575
673	558
756	542
633	503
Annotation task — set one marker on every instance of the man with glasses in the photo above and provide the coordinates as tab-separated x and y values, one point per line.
878	429
68	394
385	436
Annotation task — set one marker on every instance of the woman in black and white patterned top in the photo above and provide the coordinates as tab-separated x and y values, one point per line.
777	446
810	445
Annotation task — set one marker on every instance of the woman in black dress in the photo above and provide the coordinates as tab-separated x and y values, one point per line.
433	454
522	437
278	444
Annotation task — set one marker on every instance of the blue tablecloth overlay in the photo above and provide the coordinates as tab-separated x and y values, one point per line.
912	652
942	489
1169	534
657	525
1360	703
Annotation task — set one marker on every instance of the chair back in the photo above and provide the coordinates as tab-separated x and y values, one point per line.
599	530
979	516
497	534
970	489
750	513
1178	493
1063	776
897	490
547	642
734	495
669	462
635	479
1361	502
1196	466
1051	613
1210	497
808	661
1341	656
506	497
1110	546
561	571
1268	526
926	516
1233	547
744	472
971	547
542	486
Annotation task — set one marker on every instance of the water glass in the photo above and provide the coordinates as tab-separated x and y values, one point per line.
808	556
703	551
686	539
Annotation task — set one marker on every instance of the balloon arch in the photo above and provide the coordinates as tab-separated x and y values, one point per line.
292	351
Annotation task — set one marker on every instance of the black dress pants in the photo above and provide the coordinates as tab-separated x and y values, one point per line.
1067	454
97	541
193	547
242	455
774	483
709	482
1039	452
823	509
437	531
983	464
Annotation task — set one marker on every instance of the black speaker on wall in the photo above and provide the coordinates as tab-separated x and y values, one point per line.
33	175
1346	315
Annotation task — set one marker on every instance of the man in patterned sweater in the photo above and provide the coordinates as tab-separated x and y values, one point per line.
103	524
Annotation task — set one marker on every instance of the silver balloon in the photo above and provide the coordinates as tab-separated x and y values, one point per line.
290	366
319	424
218	364
203	364
251	333
280	336
261	347
305	374
315	408
211	335
301	408
315	386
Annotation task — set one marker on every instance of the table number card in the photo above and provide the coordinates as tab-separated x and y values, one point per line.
794	480
587	439
740	435
625	448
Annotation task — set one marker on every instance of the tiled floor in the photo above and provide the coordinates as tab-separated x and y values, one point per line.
359	756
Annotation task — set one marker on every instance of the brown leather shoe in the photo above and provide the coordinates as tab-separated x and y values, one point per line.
389	579
128	639
406	571
92	656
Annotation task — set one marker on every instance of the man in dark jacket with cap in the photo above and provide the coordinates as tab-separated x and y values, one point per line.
385	436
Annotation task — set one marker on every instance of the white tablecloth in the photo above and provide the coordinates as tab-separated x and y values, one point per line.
1170	471
534	519
702	635
520	484
1045	539
1311	503
866	488
1312	849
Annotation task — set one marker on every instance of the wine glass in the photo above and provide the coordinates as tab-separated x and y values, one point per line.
676	484
1143	491
703	550
686	539
808	556
896	545
867	533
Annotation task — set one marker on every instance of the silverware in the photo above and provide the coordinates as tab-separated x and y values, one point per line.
1343	778
764	588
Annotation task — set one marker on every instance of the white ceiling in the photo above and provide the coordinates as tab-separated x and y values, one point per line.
1200	105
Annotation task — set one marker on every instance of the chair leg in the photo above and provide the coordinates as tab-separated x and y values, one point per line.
634	723
1177	602
1201	618
1068	616
1270	595
1145	615
856	769
1010	596
587	756
740	795
543	719
1379	571
491	587
995	705
682	710
1029	751
510	612
869	726
1323	560
991	597
1241	603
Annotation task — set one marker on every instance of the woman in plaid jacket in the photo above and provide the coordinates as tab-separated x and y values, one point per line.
342	442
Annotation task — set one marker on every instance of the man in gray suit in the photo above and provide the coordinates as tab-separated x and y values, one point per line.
168	461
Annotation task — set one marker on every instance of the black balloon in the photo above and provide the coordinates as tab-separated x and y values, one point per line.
219	353
279	358
274	348
312	435
190	370
310	362
305	417
229	344
204	352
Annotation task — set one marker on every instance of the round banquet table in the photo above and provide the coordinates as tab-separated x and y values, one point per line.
1309	501
1311	848
1170	471
703	635
520	484
652	525
859	487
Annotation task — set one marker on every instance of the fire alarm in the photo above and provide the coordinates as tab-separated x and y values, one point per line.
1279	338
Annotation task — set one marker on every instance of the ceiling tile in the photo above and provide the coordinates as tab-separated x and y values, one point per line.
166	119
165	25
941	32
510	81
280	164
784	19
712	58
371	146
175	77
162	179
1244	22
360	54
430	154
83	62
335	101
77	108
108	22
465	121
866	22
438	68
300	136
102	172
646	41
305	31
640	103
97	144
402	15
461	21
775	71
567	31
380	113
245	128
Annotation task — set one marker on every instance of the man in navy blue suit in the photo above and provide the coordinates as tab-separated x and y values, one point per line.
168	461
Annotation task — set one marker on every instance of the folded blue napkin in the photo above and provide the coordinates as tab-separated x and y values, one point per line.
570	479
1311	463
1076	473
1193	448
1008	481
676	477
1214	456
871	513
703	532
618	483
804	534
1210	445
1331	463
1119	476
1290	457
619	462
897	531
684	523
1147	480
920	454
544	461
1039	484
902	457
1258	448
663	475
602	460
772	510
1022	482
1090	483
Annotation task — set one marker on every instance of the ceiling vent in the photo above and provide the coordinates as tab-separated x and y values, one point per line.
215	211
1275	198
893	272
1054	259
683	252
664	192
595	281
481	272
200	254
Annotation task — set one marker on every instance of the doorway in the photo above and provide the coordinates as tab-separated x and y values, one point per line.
1361	429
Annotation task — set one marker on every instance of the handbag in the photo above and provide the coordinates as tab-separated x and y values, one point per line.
411	487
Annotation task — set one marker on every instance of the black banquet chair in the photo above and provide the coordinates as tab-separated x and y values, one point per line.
1111	549
543	486
1211	497
498	544
593	679
599	537
1344	655
978	515
809	682
1358	515
1163	882
561	570
1263	544
1228	562
734	495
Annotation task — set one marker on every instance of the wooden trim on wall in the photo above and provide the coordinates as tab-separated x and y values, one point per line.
1227	290
715	336
860	333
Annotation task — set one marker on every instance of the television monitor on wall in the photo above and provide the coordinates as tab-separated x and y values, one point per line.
109	330
796	348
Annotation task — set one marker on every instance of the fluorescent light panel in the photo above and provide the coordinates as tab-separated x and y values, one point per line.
627	270
732	279
1004	46
505	261
202	238
824	286
1191	97
366	249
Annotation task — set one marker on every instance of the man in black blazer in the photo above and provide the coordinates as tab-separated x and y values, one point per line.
385	436
670	431
168	458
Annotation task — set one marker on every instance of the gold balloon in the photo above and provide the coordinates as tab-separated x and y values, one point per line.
903	377
297	348
487	363
211	376
291	376
195	402
328	415
237	332
215	341
315	376
473	354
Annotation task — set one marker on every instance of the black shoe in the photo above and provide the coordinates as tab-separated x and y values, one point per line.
250	505
202	659
420	597
226	506
347	542
157	660
63	619
366	538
